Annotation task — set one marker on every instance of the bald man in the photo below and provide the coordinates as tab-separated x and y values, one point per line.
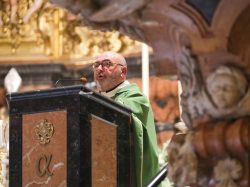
110	71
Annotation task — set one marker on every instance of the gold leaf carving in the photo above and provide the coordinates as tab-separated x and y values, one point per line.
44	130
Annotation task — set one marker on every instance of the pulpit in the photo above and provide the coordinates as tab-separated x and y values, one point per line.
70	136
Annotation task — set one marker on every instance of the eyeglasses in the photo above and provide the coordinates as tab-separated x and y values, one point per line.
105	64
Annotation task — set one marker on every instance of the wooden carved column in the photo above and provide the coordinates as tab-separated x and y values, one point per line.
216	108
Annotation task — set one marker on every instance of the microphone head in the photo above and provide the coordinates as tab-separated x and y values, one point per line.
83	80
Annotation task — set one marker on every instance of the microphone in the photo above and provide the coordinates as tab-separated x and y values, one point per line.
83	80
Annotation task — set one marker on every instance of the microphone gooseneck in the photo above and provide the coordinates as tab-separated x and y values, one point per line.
83	80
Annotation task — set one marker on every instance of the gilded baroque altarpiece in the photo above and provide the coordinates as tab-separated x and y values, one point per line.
35	30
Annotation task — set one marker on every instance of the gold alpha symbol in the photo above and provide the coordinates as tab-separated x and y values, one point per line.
44	131
45	169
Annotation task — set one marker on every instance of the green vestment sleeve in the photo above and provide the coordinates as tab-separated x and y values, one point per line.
145	144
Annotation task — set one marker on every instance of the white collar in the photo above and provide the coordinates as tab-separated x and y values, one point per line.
113	92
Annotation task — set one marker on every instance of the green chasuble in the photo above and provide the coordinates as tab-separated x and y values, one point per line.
145	143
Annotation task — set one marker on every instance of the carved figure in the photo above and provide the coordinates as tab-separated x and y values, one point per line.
13	7
226	86
46	27
4	6
10	6
224	94
1	14
35	6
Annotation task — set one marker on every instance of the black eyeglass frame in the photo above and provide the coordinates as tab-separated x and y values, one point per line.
104	63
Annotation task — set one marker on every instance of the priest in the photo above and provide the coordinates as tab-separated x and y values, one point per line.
110	70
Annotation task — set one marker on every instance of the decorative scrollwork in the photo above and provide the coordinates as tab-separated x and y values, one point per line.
44	130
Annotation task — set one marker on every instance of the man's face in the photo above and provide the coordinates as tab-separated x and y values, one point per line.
108	72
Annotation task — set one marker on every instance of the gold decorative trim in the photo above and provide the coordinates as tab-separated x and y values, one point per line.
44	130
